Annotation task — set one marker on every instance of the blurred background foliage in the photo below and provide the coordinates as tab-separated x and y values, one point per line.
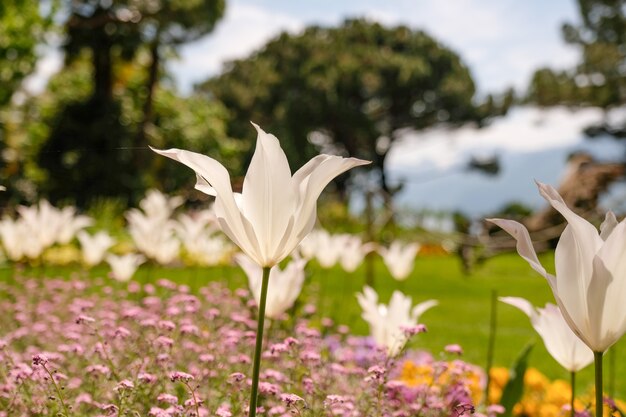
350	89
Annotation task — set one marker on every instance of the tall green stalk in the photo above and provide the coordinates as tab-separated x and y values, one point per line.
573	383
597	361
256	367
493	323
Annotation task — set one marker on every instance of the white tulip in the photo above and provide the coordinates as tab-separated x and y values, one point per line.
590	282
353	253
400	259
564	346
123	267
94	247
389	322
18	240
329	248
152	229
274	211
284	284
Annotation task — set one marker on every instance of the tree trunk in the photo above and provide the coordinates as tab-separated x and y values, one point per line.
148	106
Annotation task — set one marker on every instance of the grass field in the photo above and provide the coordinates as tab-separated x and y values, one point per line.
462	316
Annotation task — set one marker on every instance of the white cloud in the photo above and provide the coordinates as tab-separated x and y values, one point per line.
524	130
244	29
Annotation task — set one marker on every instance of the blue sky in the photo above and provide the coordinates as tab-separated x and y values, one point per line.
502	41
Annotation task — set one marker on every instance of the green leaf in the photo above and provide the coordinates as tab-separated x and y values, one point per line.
514	389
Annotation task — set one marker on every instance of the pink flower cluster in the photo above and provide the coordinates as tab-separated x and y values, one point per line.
75	348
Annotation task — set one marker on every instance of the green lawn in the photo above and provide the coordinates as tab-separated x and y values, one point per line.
462	316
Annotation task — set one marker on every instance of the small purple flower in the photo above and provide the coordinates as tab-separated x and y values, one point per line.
146	378
411	331
237	377
454	349
290	399
181	376
124	385
40	359
167	398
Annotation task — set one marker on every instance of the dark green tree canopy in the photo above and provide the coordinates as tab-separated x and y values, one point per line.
349	90
600	77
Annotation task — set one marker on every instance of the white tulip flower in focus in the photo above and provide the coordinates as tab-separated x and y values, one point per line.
275	210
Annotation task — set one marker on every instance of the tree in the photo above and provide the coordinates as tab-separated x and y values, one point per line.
600	78
99	131
82	170
23	25
350	90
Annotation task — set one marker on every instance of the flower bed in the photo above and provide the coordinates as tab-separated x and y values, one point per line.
90	349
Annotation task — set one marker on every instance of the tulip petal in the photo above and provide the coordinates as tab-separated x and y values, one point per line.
421	308
268	200
314	176
607	226
607	291
520	304
216	181
587	239
524	245
574	272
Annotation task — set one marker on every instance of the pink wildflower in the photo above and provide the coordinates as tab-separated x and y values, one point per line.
454	349
180	376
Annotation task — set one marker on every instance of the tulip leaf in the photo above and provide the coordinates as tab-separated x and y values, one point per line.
514	389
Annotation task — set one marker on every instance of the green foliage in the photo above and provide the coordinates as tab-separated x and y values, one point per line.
121	28
348	90
600	77
514	388
22	27
69	143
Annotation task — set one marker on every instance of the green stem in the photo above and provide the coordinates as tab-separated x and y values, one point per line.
259	343
573	383
597	361
492	341
58	390
611	385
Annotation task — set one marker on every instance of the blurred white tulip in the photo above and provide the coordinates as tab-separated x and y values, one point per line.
123	267
353	252
564	346
284	284
389	322
94	248
400	259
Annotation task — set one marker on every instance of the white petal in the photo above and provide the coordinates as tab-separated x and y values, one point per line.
573	270
216	182
421	308
524	245
607	226
607	291
521	304
587	238
313	177
268	199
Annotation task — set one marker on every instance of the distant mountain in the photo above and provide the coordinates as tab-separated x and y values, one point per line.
530	143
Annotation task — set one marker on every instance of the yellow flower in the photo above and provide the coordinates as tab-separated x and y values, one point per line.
414	375
535	380
559	392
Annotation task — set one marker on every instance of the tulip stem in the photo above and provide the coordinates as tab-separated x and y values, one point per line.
493	324
259	343
597	361
573	382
